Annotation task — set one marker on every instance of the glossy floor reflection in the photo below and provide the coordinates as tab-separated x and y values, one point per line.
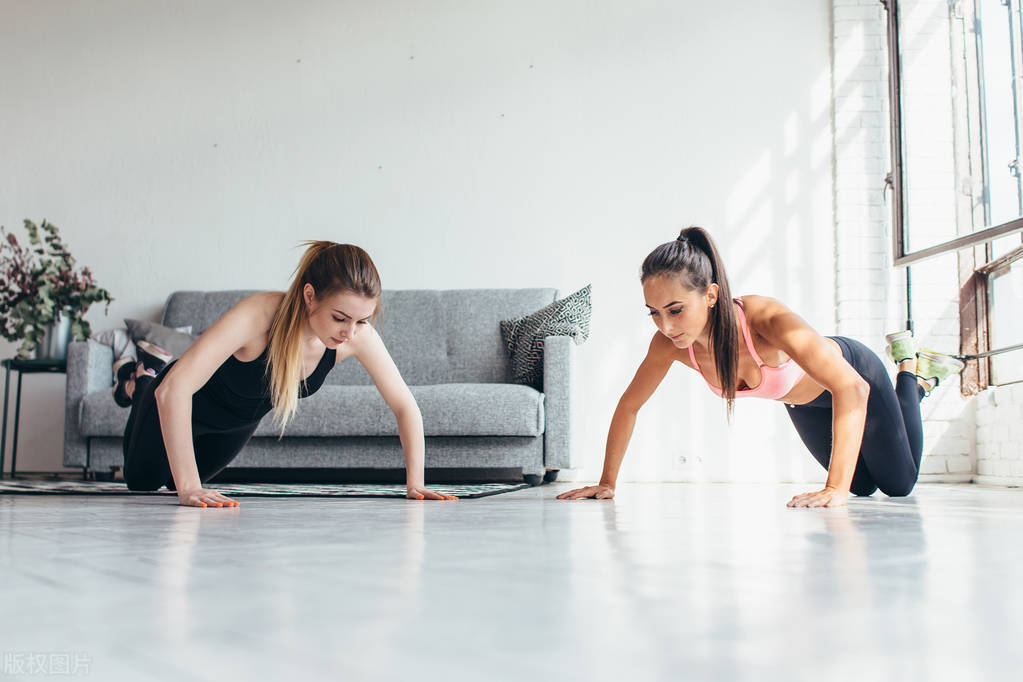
669	581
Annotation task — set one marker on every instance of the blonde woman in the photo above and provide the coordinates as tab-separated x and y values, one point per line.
270	350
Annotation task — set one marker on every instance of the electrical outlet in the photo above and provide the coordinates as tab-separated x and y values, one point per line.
686	459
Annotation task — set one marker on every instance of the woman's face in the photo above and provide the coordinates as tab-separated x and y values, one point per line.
338	318
681	314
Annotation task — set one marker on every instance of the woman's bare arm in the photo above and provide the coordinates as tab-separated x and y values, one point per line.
248	321
368	348
651	372
825	365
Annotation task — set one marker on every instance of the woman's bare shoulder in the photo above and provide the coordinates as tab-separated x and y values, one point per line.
369	337
664	351
263	303
758	302
762	310
254	315
771	319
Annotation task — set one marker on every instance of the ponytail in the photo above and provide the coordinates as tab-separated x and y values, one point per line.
693	258
330	268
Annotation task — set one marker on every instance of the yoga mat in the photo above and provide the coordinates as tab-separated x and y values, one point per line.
461	490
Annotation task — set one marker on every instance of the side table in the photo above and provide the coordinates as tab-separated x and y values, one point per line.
22	367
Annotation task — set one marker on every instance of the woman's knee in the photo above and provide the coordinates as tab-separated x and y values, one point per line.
900	489
146	481
142	486
862	489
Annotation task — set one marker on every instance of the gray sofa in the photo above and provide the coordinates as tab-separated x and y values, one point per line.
448	347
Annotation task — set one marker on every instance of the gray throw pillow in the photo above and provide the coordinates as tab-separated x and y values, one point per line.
523	336
175	342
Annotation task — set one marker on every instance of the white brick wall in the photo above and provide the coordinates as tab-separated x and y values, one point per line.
1000	435
864	275
870	293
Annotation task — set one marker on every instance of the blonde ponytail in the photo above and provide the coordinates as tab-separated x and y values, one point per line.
330	268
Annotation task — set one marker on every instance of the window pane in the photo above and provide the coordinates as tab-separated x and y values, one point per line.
1005	296
1000	113
927	123
960	119
1003	245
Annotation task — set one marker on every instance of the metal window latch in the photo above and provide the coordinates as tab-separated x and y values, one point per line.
889	184
1014	167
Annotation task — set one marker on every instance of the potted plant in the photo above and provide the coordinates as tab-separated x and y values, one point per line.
43	296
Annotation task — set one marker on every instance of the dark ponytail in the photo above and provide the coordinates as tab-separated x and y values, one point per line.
694	259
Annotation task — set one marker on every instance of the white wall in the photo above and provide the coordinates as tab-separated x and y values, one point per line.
463	144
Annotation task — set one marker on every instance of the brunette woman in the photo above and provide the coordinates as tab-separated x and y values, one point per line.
865	432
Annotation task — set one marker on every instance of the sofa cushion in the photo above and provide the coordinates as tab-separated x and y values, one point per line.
448	410
524	336
434	336
173	341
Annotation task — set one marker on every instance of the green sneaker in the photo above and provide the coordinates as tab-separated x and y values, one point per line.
935	367
901	346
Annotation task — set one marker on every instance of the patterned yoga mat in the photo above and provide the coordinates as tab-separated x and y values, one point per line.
461	490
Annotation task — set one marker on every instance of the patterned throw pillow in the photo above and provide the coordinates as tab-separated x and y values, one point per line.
169	339
523	336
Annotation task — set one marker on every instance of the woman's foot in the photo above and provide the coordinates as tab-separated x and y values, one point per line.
902	347
127	371
932	368
124	373
152	356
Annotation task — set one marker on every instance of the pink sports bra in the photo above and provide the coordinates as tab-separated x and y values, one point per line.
775	382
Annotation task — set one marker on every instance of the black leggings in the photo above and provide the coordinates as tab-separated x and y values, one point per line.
892	436
145	455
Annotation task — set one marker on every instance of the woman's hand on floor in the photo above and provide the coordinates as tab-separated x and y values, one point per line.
418	492
597	492
829	497
200	497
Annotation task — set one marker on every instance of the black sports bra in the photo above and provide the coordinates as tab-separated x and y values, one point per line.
242	389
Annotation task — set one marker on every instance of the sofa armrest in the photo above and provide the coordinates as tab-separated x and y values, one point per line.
559	402
88	370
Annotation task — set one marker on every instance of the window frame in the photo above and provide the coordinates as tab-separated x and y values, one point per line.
974	251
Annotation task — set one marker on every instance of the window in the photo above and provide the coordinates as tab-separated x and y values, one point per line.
956	95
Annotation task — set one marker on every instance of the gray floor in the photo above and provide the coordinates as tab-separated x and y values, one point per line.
669	581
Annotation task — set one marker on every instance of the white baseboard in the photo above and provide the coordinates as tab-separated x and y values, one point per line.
946	478
1003	481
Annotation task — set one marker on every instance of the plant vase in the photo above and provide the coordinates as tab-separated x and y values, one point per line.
56	338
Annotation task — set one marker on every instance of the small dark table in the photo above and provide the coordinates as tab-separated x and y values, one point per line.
22	367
